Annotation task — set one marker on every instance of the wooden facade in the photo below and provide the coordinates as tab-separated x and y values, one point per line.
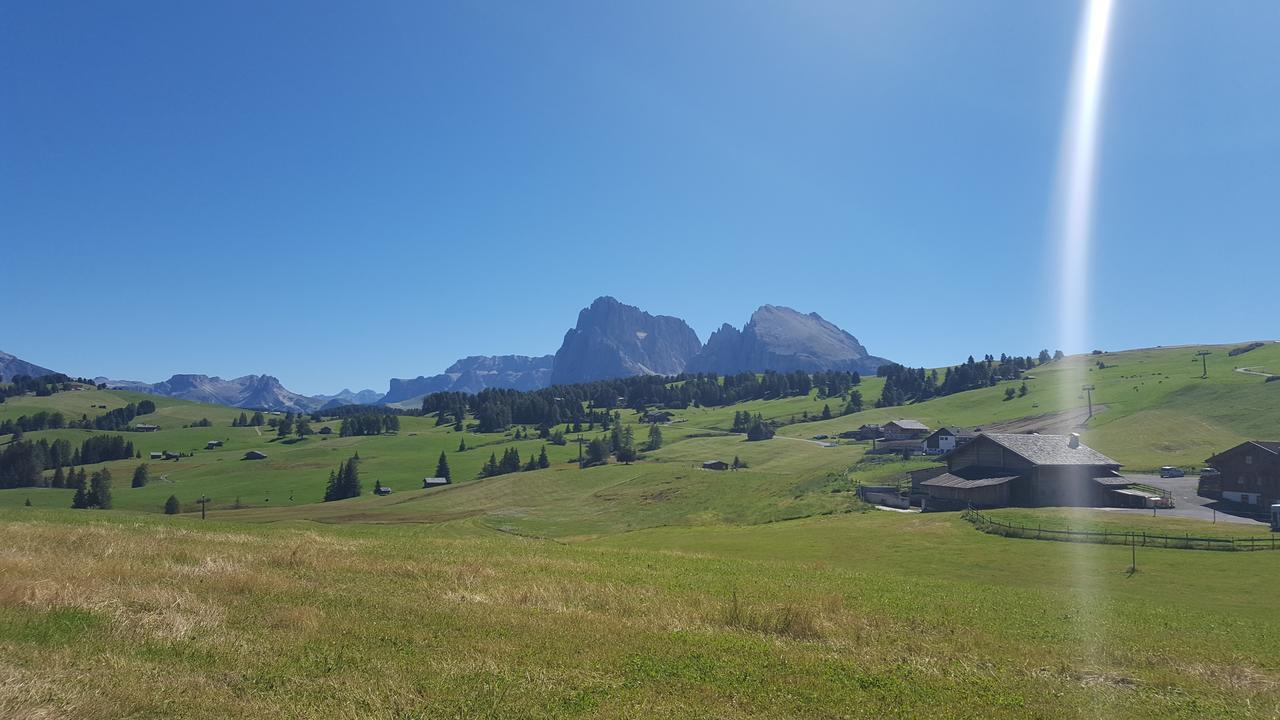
1249	473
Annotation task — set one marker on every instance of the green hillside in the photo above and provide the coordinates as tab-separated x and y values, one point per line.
655	589
1153	409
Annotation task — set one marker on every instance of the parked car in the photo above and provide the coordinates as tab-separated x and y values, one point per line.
1169	471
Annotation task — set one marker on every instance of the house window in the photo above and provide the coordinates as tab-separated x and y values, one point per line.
1248	459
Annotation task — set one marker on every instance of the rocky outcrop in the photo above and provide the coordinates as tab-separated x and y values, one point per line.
11	367
475	373
781	339
616	340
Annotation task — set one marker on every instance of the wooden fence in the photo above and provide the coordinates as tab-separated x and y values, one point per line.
1186	541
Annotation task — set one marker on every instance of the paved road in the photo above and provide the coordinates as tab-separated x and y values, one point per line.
1187	504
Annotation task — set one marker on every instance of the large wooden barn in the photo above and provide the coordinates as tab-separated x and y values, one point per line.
997	470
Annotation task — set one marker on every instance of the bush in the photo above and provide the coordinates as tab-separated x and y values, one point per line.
171	506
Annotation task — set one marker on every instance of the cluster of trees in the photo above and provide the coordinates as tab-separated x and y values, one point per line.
905	385
258	420
23	462
101	448
42	386
371	423
1010	393
755	426
509	463
345	483
96	494
293	425
117	419
591	403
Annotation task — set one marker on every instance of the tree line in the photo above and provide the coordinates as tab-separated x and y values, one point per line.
117	419
370	423
903	385
497	409
23	462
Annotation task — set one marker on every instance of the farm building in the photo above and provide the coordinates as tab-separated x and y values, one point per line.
255	455
895	447
213	444
434	482
157	455
715	465
945	439
1249	473
868	432
326	430
905	430
656	416
996	470
381	489
142	427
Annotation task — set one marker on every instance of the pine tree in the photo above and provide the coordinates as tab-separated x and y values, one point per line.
442	468
171	506
655	437
59	478
141	476
826	412
332	491
81	499
100	490
462	445
491	467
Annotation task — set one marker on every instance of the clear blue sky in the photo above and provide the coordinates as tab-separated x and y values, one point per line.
339	193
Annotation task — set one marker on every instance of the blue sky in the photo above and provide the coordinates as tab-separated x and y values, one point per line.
339	193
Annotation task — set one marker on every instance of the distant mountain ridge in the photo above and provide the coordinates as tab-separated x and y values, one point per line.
616	340
475	373
611	339
258	392
782	339
11	366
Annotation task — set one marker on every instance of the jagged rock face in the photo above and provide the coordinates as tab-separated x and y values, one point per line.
475	373
615	340
11	366
779	338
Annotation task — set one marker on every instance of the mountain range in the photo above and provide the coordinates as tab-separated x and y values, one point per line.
610	339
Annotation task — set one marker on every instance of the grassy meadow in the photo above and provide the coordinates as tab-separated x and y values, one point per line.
867	614
651	589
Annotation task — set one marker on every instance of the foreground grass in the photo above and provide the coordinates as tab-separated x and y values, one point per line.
864	615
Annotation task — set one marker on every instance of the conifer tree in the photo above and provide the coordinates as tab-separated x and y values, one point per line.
462	445
442	468
100	490
543	461
141	476
655	437
171	506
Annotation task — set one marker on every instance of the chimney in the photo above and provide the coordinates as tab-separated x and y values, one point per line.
1074	440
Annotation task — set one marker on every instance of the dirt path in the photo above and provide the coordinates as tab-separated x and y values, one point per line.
1254	371
1054	423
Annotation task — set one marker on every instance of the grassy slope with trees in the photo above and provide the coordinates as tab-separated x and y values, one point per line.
668	590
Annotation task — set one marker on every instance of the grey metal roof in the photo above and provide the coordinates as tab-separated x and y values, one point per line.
955	481
910	424
1050	449
1273	447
